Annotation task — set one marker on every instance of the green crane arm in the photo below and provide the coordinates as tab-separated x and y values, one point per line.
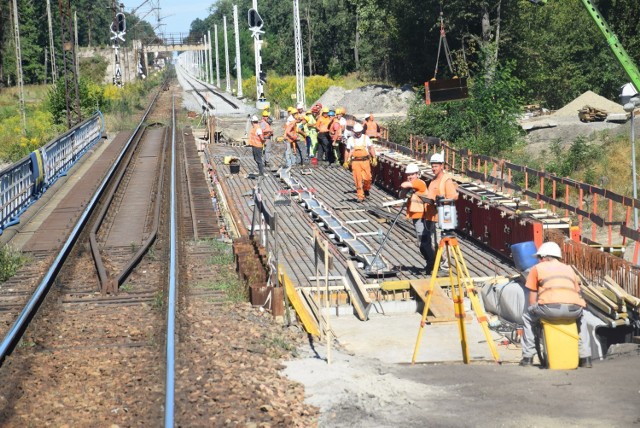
625	60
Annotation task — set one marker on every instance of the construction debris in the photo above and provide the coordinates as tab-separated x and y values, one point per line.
591	114
609	301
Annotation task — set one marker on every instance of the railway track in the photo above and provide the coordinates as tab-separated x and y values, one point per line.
112	337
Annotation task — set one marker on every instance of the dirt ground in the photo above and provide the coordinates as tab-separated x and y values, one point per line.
358	392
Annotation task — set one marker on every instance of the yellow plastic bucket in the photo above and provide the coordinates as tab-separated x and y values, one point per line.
561	344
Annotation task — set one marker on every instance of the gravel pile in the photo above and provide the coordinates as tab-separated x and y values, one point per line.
377	99
591	99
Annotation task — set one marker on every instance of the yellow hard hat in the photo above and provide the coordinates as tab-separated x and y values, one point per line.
340	110
265	113
325	110
291	110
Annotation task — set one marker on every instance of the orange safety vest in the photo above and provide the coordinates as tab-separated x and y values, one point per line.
291	131
359	147
336	130
432	211
557	283
255	140
322	124
372	128
415	206
267	132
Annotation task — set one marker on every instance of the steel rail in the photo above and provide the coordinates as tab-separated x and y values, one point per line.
209	88
16	331
171	301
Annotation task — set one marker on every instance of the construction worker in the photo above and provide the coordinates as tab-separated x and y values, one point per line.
345	133
301	142
441	186
291	141
325	153
267	133
371	128
312	134
335	132
417	188
256	141
360	155
300	108
291	115
554	293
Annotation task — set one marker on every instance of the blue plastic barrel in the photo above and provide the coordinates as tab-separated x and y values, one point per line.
523	255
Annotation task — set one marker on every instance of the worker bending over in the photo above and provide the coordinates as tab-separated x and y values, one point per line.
554	293
360	155
256	141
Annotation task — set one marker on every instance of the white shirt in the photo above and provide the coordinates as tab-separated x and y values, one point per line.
353	141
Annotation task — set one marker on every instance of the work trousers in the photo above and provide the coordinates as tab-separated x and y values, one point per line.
301	152
553	311
257	156
268	151
361	170
425	230
325	151
289	156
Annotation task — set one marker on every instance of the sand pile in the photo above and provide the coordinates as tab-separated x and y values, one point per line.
591	99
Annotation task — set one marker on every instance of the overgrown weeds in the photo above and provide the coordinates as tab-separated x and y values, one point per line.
10	262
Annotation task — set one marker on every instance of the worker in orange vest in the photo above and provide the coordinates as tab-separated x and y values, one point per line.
267	133
554	293
325	152
371	128
417	189
360	155
335	132
256	141
290	139
442	185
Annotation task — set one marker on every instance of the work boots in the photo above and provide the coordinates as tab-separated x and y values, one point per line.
585	363
526	361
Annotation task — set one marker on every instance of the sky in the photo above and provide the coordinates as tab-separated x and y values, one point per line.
178	14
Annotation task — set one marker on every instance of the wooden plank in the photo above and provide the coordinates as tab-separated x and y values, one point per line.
358	293
441	305
613	285
305	317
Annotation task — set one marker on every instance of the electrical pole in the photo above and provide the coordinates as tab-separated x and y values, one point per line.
238	66
210	59
52	50
70	76
255	26
77	46
20	81
299	58
215	30
226	53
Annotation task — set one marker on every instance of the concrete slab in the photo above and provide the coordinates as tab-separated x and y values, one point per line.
392	338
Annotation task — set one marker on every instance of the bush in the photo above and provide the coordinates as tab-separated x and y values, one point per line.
279	89
90	95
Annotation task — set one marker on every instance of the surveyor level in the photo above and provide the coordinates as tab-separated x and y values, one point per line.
450	243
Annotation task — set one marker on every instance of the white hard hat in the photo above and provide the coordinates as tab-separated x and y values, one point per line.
437	158
300	106
549	249
254	118
357	127
412	168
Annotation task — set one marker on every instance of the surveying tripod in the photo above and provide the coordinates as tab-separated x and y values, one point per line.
450	243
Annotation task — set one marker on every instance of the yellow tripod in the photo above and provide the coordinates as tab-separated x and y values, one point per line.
450	243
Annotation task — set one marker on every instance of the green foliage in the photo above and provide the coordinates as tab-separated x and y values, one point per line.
485	123
10	261
90	99
279	89
565	162
39	130
94	68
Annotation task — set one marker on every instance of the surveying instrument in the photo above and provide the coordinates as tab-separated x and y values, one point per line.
447	222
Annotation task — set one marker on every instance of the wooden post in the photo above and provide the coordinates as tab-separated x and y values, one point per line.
580	206
566	200
553	187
